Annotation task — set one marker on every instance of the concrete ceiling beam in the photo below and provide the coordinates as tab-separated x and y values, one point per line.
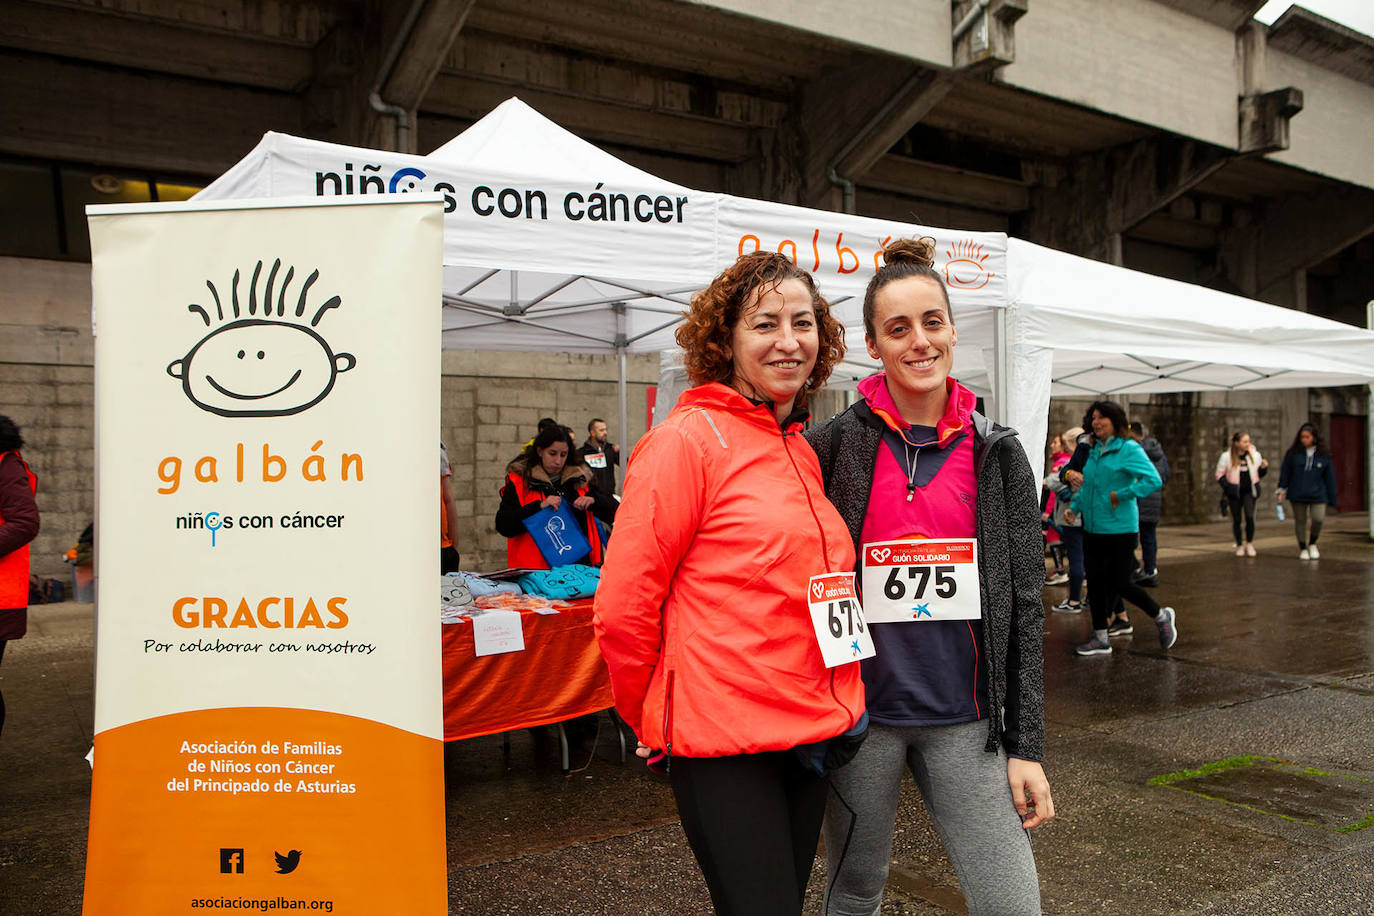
682	36
464	97
1108	193
137	120
424	50
850	119
931	181
162	47
500	59
1300	231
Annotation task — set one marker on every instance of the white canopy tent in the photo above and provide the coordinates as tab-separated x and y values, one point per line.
554	245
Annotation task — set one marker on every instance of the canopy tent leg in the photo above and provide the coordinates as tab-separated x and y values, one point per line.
623	430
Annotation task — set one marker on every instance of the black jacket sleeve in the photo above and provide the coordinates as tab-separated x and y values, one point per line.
511	515
819	437
1024	718
604	504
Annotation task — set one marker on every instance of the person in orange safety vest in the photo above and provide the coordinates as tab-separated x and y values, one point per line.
549	472
18	526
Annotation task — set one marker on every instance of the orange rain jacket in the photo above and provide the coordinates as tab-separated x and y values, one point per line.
702	613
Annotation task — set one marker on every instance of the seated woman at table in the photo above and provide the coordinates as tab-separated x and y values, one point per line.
702	614
549	472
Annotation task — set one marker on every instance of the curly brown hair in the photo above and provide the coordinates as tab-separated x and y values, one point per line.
705	334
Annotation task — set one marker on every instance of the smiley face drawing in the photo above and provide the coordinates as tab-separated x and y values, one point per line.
264	365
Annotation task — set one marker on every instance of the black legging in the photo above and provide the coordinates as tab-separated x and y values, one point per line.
1245	501
753	821
1109	560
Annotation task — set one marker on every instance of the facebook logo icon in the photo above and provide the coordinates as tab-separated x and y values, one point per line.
231	861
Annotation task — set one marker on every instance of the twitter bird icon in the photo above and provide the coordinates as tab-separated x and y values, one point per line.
286	864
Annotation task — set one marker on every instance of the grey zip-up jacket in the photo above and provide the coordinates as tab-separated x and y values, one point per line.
1011	563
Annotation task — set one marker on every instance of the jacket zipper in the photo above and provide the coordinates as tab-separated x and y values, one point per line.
825	549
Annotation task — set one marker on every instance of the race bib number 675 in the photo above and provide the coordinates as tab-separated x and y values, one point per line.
914	581
841	631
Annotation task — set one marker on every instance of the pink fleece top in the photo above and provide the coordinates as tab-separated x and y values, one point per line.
944	507
924	673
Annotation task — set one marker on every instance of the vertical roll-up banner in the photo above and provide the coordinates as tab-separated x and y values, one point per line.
268	722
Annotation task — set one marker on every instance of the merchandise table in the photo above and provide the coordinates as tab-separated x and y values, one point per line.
560	675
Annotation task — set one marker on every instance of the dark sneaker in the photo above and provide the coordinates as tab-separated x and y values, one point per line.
1168	633
1095	646
1150	579
1067	607
1119	628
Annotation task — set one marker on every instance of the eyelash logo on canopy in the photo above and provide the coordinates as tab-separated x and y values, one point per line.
965	266
269	364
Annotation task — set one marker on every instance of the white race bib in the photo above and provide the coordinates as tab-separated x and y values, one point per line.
596	460
841	630
913	581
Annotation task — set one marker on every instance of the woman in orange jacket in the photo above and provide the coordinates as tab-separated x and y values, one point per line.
702	613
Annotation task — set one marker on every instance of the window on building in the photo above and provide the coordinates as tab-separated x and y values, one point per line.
45	203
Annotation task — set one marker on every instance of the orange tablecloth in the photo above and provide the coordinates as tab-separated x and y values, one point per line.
559	676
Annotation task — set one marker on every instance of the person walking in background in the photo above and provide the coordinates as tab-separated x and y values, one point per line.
1116	475
18	526
703	613
1070	534
958	701
1308	479
1118	621
1151	507
600	455
1239	470
1049	518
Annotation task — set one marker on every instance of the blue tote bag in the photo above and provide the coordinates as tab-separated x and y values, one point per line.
557	536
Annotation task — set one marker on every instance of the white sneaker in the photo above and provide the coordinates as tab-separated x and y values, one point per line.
1305	553
1312	553
1240	550
1249	550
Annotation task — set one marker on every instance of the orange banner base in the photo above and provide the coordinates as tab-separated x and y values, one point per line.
264	809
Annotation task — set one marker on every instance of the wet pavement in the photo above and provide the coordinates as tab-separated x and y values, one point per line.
1231	775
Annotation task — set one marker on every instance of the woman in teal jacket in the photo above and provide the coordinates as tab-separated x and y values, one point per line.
1117	473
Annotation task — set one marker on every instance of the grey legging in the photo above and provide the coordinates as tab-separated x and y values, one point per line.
966	792
1300	513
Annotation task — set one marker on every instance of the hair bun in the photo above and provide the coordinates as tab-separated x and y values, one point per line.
920	252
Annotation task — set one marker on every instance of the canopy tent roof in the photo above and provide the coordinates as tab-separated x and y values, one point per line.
554	245
1115	331
547	235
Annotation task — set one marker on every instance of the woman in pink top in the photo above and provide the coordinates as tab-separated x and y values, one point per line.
941	504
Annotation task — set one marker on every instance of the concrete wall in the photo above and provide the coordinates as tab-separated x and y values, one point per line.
1333	135
1133	58
46	374
491	405
918	29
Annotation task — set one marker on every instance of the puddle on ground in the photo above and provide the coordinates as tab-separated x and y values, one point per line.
1281	788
